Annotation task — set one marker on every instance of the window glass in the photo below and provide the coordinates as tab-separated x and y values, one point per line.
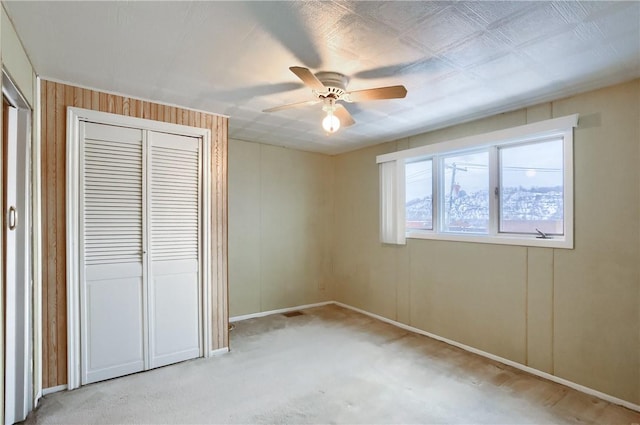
465	206
531	188
512	186
419	195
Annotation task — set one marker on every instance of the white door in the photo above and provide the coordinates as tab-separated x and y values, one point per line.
112	290
18	383
12	358
140	221
174	221
17	388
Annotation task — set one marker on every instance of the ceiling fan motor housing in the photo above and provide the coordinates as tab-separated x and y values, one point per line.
335	85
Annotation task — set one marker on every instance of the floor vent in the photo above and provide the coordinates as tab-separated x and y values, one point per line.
292	314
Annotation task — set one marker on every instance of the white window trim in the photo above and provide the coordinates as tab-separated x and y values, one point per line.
561	127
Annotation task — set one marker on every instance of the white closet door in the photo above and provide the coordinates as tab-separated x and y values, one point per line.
112	290
174	260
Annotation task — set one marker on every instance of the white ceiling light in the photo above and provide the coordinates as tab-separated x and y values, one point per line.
330	123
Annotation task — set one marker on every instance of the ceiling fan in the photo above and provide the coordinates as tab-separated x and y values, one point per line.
330	87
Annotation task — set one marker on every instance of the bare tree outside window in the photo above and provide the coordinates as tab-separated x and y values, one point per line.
465	200
419	195
531	188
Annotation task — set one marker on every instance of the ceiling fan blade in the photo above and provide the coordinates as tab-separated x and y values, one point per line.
307	77
292	105
391	92
344	116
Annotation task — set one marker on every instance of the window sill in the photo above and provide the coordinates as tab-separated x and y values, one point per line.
518	240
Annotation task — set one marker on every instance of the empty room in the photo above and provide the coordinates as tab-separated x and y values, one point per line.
320	212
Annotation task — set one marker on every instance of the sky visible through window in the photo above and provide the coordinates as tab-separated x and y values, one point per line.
532	193
531	180
538	164
419	180
466	193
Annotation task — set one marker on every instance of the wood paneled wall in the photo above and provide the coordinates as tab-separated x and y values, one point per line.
56	98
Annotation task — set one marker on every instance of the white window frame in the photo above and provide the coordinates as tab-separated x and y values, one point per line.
554	128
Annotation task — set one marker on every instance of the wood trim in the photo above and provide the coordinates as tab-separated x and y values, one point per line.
221	332
55	98
278	311
47	391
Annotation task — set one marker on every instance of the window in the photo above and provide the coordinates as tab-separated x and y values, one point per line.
465	199
419	194
531	188
513	186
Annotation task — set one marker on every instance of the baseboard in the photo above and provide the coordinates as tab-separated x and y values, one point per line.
536	372
281	310
219	351
51	390
502	360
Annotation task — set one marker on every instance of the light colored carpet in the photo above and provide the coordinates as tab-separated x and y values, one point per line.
329	365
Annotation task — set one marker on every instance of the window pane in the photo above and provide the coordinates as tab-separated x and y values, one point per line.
466	193
531	188
419	193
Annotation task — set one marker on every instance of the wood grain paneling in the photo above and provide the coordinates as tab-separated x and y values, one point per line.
56	97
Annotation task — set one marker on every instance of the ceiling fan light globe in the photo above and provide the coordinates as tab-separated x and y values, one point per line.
331	123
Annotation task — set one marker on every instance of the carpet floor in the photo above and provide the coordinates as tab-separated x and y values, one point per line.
330	365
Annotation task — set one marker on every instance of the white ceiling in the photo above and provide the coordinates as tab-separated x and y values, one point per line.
458	60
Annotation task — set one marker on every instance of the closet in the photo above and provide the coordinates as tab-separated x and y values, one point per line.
141	264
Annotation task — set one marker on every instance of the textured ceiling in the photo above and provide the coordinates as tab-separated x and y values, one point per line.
458	60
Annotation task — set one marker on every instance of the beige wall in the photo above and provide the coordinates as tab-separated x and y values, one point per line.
15	59
300	222
573	313
280	212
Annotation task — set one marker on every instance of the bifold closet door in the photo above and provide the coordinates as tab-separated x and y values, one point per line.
112	279
141	246
174	260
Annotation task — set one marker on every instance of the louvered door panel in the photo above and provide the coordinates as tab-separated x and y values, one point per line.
174	223
112	285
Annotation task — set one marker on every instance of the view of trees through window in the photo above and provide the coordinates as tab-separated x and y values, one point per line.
419	194
466	193
530	190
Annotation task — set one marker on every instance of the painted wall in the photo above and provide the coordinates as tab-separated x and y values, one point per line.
573	313
280	217
15	59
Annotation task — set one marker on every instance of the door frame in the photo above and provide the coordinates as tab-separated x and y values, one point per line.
74	116
17	319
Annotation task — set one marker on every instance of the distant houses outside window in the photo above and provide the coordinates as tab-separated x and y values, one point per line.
531	188
419	194
464	202
512	186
